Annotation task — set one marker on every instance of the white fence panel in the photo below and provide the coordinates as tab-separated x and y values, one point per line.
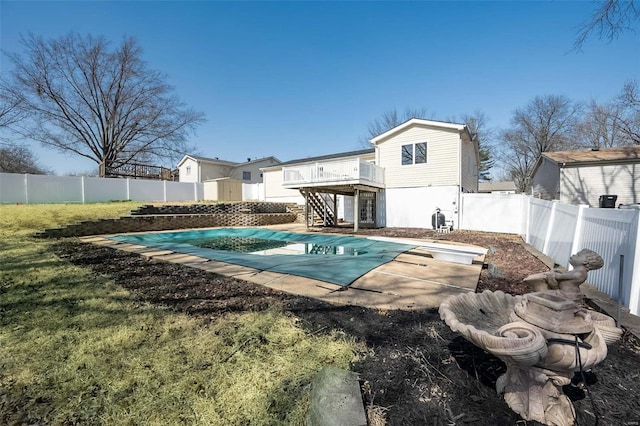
611	233
53	189
253	192
100	189
146	190
493	213
12	188
559	242
181	191
539	216
32	189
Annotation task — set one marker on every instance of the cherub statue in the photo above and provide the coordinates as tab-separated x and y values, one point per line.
567	282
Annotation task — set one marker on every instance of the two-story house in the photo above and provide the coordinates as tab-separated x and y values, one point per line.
411	170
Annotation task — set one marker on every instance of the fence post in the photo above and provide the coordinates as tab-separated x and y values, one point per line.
547	237
527	218
634	292
26	188
164	189
195	191
128	190
82	187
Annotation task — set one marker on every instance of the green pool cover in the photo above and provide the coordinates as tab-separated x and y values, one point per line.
335	259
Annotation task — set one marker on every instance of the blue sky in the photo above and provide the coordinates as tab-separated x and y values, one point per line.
298	79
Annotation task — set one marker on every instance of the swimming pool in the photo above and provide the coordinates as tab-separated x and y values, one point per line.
332	258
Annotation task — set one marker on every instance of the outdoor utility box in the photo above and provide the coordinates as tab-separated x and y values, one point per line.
608	201
437	220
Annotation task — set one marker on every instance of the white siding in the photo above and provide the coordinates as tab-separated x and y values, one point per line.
469	163
441	168
586	184
191	166
210	171
273	190
546	180
253	168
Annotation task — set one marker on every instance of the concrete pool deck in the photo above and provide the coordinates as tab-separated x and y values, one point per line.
413	280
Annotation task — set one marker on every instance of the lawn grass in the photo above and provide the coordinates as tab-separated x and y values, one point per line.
78	349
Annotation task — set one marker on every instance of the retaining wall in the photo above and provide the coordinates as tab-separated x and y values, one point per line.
162	218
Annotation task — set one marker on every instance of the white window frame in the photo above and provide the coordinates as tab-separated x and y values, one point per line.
413	153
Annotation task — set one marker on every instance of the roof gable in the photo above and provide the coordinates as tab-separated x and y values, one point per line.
418	122
199	159
271	159
217	161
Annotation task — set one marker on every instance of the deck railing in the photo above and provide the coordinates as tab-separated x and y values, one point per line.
334	172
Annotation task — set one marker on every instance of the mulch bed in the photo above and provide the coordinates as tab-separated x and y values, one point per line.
416	370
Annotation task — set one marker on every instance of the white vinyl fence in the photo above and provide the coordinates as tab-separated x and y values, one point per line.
560	230
42	189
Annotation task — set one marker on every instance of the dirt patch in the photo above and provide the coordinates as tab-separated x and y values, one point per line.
415	371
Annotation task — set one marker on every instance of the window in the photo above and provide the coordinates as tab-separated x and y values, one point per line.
407	154
246	175
414	153
188	170
421	152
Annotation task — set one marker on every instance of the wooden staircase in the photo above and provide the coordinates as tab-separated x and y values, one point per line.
322	208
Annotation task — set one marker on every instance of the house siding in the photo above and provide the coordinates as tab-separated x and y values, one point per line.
213	171
546	180
253	168
585	185
469	163
442	166
193	175
274	191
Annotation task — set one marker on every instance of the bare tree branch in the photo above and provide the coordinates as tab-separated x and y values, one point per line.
102	104
391	119
609	21
546	123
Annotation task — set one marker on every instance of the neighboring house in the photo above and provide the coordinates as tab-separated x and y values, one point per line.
194	168
507	187
413	169
582	177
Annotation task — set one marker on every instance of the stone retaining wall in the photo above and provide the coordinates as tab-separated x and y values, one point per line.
162	218
222	208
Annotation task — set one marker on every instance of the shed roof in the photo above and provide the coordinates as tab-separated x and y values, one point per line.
617	154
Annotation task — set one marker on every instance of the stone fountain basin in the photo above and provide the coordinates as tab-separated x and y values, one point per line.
500	324
485	320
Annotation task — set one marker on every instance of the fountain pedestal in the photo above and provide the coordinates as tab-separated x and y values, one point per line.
544	338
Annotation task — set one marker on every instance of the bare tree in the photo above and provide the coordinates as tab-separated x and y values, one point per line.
610	20
19	159
601	126
547	123
391	119
10	112
483	135
629	103
102	104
